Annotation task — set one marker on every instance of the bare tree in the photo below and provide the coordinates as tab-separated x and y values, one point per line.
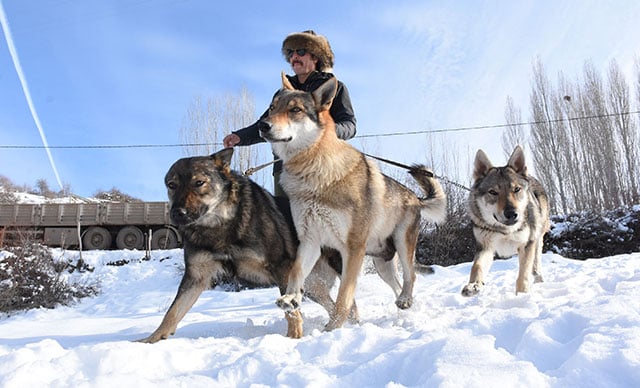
584	141
43	189
625	133
548	139
514	134
208	122
115	195
572	155
602	145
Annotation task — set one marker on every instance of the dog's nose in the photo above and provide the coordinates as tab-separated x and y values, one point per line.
179	216
510	214
264	126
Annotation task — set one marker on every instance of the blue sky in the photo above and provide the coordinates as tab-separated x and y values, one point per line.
124	72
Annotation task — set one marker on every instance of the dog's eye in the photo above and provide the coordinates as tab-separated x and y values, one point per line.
516	189
493	192
271	108
171	185
198	183
295	109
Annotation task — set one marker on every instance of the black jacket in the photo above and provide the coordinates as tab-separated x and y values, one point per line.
341	110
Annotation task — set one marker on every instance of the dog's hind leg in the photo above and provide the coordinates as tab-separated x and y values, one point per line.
405	299
318	287
318	284
537	268
197	277
406	246
388	271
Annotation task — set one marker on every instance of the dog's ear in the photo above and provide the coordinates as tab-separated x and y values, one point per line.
286	84
223	156
324	95
481	165
516	161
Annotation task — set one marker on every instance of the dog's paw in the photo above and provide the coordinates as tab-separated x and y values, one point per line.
537	278
288	302
153	338
334	323
522	285
404	302
471	289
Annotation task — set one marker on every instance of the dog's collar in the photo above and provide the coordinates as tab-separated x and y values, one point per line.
497	230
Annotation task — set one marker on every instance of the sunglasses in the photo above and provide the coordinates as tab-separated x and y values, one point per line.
300	52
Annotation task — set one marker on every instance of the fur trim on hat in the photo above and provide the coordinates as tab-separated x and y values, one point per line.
316	44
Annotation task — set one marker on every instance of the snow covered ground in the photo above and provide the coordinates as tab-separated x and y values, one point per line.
581	328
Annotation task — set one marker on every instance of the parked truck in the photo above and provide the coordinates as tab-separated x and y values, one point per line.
101	225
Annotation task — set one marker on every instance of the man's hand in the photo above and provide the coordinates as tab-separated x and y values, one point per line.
230	140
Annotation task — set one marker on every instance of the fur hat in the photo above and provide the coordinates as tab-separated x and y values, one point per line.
316	44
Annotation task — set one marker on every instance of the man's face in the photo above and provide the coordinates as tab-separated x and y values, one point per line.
302	64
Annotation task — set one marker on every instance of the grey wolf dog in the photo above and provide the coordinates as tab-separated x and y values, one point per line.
340	199
232	228
510	214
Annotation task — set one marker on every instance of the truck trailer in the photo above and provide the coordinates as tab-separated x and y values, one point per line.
100	225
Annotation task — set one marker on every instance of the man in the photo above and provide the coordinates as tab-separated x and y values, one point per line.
311	59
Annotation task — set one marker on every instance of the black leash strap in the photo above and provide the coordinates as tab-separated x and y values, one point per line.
394	163
428	173
252	170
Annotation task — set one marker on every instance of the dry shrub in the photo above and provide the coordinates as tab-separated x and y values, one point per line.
30	278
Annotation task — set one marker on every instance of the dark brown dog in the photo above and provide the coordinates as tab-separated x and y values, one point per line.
232	228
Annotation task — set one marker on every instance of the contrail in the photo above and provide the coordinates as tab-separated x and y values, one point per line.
25	89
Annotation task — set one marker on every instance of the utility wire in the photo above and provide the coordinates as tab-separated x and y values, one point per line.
458	129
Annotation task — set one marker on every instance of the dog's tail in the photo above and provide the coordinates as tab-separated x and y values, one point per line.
423	268
434	205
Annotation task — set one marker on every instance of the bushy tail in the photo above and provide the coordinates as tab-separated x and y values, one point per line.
423	268
434	205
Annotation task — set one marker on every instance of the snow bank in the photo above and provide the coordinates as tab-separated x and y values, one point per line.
579	328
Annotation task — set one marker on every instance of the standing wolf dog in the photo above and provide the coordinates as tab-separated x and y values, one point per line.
340	199
232	228
510	214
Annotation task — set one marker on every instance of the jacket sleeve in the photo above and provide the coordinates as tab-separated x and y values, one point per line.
251	135
342	113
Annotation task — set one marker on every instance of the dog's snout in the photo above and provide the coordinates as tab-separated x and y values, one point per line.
179	215
264	126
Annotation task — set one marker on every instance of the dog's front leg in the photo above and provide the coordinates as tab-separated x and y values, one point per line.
306	258
294	321
481	265
526	256
197	277
351	265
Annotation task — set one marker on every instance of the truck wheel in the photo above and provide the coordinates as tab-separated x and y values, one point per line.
164	238
130	237
96	237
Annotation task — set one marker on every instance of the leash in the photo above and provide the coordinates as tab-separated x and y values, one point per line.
397	164
427	173
252	170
